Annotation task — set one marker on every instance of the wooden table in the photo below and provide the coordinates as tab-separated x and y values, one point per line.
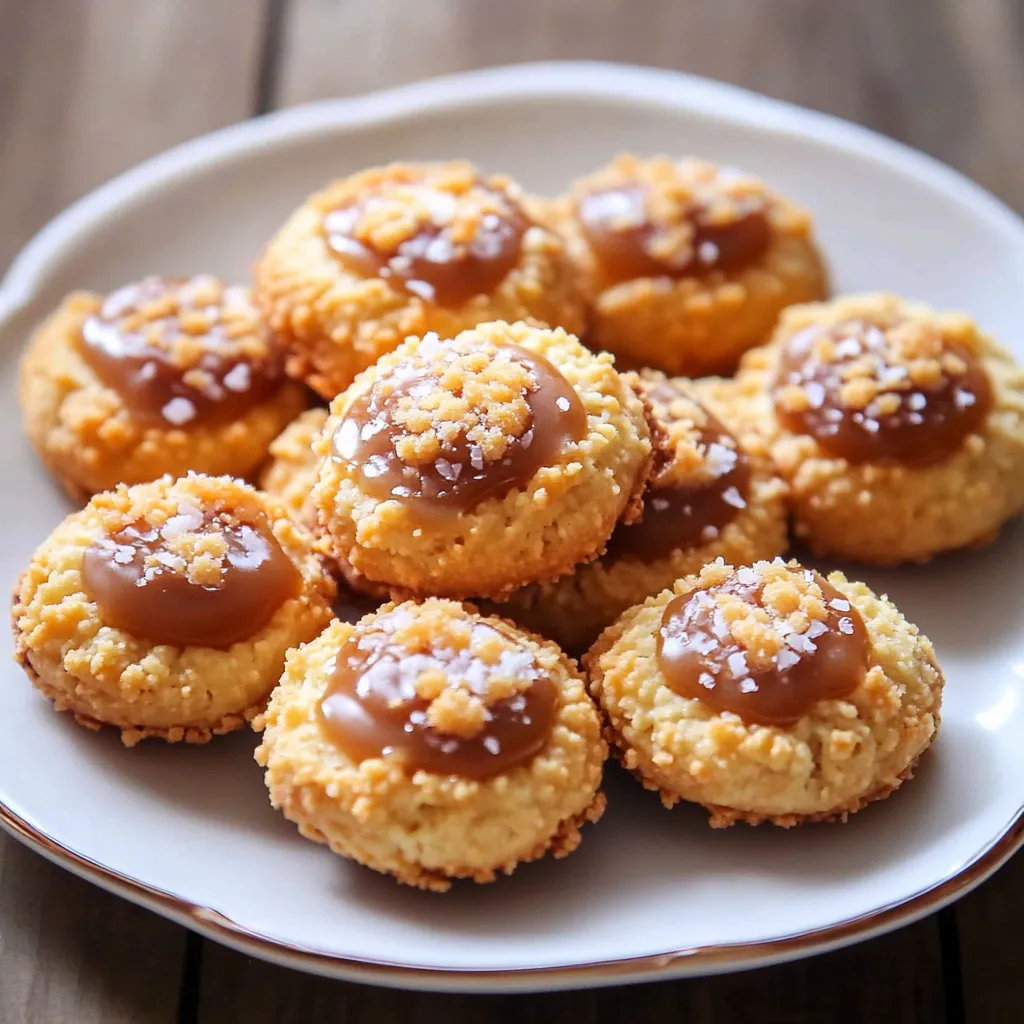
89	87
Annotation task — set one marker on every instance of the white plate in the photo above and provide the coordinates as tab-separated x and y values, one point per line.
651	893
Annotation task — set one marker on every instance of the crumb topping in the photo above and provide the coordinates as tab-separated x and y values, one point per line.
182	317
764	641
888	383
457	421
477	392
457	668
392	206
700	450
182	350
683	215
176	564
440	688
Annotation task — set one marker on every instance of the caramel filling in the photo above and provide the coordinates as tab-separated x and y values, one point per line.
880	393
201	580
444	438
429	242
752	647
678	515
629	242
180	353
471	709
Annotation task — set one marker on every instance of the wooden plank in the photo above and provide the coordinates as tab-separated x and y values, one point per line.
87	88
881	981
90	87
990	922
943	76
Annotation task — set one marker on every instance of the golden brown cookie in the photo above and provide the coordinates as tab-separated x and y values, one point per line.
292	469
767	693
161	376
685	264
431	743
165	609
900	430
402	250
710	497
471	466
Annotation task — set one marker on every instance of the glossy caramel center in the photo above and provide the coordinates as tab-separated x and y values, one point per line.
766	650
201	579
441	245
629	239
182	353
683	513
473	708
458	428
894	392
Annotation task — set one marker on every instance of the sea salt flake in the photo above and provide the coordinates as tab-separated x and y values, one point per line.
731	496
707	252
737	662
178	411
238	378
815	394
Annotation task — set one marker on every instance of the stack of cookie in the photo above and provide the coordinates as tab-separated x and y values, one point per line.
512	473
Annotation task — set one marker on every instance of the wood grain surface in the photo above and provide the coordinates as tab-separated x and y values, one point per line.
89	87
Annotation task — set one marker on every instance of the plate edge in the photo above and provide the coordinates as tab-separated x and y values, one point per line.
687	962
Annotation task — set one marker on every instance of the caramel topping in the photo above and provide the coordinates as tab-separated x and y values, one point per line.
457	425
664	219
445	238
182	352
455	697
202	578
767	643
700	490
895	390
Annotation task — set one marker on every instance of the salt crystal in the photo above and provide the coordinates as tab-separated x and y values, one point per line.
563	403
737	662
492	745
707	252
422	289
731	496
238	377
840	604
786	659
815	394
124	554
848	348
916	402
448	470
178	411
748	685
846	626
440	250
659	504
